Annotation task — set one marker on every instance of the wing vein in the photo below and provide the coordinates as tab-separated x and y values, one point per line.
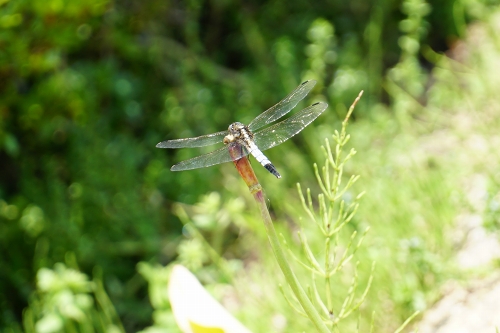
218	156
199	141
284	130
282	107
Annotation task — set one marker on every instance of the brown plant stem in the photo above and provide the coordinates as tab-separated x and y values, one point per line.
246	172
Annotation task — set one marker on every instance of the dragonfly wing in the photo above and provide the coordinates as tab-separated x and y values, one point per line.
284	130
218	156
283	107
200	141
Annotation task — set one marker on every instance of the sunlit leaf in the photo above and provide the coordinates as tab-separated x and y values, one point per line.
195	310
203	329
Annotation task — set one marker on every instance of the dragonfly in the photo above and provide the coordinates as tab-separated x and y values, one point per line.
252	139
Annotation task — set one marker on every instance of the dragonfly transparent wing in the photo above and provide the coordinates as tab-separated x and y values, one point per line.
284	130
283	107
199	141
218	156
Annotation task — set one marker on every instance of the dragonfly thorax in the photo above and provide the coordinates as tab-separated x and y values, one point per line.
238	131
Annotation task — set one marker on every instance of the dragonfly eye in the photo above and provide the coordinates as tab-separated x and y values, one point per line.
235	128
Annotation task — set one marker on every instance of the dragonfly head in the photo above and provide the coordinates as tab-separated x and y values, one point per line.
235	130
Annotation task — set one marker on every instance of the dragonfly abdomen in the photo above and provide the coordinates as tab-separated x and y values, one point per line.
262	159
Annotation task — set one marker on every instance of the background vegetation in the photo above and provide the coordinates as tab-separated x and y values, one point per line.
88	87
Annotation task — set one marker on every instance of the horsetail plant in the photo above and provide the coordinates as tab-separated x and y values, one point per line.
331	216
246	172
330	202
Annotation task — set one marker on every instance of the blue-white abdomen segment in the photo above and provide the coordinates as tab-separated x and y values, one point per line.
262	159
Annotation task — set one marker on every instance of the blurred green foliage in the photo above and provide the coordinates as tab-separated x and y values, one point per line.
88	87
64	302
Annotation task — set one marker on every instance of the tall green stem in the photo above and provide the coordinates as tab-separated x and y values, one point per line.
244	168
